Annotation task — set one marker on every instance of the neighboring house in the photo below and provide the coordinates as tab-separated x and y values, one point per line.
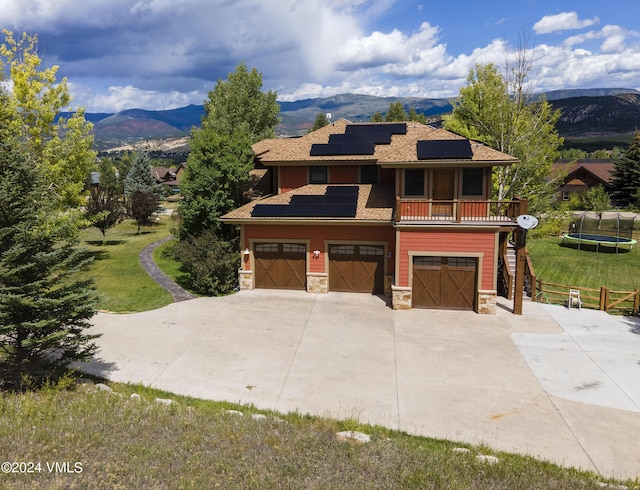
402	209
168	176
583	174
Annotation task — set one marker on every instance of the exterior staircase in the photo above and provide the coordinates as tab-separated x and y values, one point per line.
511	259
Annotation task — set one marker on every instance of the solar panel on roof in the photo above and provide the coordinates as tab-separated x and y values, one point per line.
307	199
444	149
338	202
321	149
393	128
377	138
342	189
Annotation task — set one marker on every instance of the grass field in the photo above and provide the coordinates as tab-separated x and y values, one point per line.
122	283
110	441
568	265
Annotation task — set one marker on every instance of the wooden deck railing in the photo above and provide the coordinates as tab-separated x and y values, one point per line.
458	210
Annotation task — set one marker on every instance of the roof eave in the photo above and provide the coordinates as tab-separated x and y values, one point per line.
449	163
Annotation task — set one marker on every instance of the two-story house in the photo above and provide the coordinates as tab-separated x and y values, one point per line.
401	209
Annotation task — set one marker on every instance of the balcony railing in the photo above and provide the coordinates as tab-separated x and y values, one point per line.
459	211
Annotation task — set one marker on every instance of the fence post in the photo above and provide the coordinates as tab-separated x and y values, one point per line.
606	299
603	300
536	298
636	301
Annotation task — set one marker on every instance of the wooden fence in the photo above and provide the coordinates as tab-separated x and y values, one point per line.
600	299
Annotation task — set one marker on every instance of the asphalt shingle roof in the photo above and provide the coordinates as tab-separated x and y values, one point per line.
375	203
403	148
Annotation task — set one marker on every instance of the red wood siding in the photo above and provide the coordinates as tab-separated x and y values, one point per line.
448	241
292	178
318	234
347	174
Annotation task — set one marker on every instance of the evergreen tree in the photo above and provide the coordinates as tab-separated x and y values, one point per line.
377	117
104	206
414	116
626	174
320	122
44	308
396	113
141	190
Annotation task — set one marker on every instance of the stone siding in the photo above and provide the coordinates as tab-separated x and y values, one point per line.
317	282
246	280
487	302
401	298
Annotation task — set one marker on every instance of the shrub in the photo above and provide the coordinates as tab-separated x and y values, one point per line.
211	262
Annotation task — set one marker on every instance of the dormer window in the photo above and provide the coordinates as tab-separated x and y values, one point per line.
318	174
368	174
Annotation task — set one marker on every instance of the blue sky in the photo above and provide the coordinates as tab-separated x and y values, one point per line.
161	54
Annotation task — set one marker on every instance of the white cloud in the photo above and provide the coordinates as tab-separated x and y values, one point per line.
116	99
562	22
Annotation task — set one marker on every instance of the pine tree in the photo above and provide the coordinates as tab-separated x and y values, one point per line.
395	113
44	307
626	174
142	192
320	121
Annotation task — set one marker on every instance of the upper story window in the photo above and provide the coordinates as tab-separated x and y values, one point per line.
414	182
369	174
473	182
318	174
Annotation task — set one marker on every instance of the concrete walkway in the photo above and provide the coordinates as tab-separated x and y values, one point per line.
556	384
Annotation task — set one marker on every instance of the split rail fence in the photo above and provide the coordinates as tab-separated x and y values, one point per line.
604	299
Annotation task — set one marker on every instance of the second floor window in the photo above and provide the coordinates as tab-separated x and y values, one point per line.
369	174
318	174
414	182
472	182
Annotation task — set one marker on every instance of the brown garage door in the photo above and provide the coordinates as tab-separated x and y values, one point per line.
444	282
280	265
356	268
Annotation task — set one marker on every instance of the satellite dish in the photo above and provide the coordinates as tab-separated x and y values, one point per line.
527	222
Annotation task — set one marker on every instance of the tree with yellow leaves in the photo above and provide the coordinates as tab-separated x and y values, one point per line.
61	147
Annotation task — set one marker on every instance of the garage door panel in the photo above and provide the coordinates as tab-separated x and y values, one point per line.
444	282
280	265
356	268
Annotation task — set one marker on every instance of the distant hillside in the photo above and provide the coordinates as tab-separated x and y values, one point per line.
298	116
587	92
586	112
597	116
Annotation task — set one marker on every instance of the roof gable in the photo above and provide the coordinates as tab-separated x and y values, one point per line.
599	169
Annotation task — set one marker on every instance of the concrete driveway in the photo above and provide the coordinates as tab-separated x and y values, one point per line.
556	384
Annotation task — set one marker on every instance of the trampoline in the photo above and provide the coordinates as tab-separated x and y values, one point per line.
610	230
599	240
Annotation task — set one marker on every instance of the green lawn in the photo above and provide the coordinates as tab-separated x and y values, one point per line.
110	441
163	257
568	265
122	283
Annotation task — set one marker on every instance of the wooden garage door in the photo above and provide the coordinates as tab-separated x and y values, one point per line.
444	282
356	268
280	265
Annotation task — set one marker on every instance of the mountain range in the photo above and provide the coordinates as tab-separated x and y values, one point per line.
585	112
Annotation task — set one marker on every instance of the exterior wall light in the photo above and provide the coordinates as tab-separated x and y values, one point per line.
247	251
316	253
